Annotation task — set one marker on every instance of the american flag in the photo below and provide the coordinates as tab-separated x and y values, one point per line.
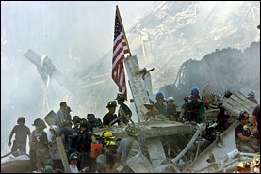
120	48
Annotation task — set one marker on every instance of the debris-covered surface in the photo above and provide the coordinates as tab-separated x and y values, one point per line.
226	69
172	146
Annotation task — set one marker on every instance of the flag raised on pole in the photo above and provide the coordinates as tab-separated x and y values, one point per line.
120	49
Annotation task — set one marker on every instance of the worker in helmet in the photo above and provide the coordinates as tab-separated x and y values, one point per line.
75	131
21	132
124	112
83	143
94	122
171	109
74	159
109	118
39	151
194	108
76	123
160	104
110	149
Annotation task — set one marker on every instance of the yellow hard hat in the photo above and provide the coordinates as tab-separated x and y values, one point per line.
107	134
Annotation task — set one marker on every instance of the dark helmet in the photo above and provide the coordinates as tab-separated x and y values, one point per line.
120	97
74	156
39	123
111	104
76	119
21	120
84	123
241	115
63	104
159	95
194	91
90	116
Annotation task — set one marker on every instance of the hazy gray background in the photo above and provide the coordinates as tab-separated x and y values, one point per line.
70	33
78	37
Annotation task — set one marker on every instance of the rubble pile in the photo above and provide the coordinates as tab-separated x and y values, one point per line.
226	69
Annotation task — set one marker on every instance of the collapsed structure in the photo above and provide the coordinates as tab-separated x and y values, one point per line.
215	70
164	145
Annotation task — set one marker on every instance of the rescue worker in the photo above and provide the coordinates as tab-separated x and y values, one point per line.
124	112
39	152
244	138
68	117
96	150
110	149
83	144
61	114
251	97
74	159
195	107
76	123
160	104
65	123
21	132
75	131
171	109
110	116
94	122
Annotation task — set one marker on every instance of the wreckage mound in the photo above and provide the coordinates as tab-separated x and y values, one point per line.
224	69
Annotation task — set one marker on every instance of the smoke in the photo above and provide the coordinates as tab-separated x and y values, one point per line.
74	35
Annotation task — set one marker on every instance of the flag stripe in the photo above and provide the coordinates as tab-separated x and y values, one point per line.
120	48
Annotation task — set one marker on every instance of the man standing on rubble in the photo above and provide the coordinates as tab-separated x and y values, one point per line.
39	152
65	126
75	131
124	112
161	104
76	123
110	116
94	122
171	109
61	114
21	132
194	108
83	144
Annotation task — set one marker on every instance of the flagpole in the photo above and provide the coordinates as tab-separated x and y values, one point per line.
119	15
